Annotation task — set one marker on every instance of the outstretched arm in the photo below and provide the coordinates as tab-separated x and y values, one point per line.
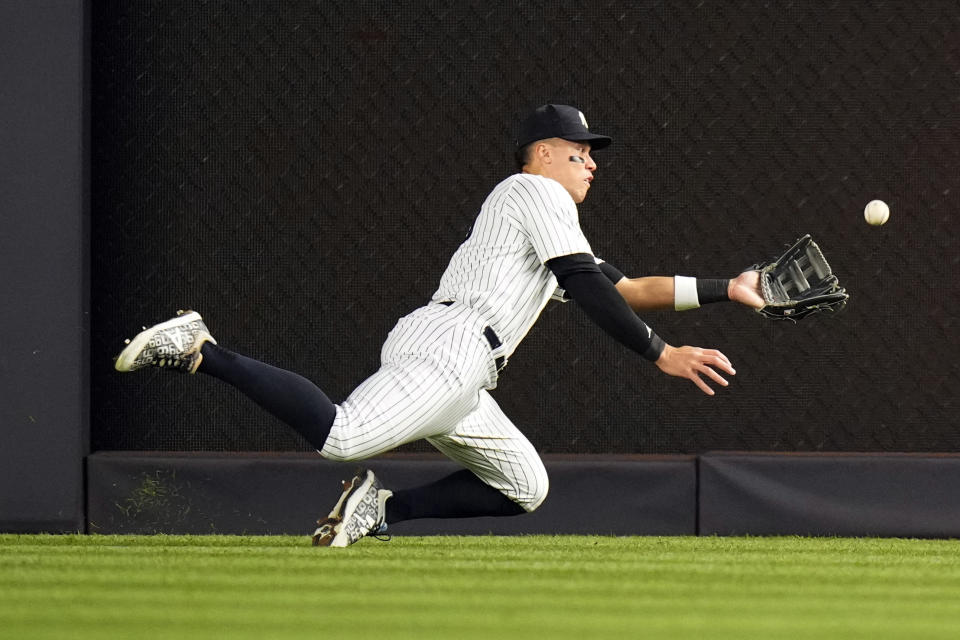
594	292
657	293
650	293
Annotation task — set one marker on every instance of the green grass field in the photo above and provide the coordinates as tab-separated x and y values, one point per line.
536	587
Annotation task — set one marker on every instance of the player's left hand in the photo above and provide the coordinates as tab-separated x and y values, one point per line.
692	362
745	289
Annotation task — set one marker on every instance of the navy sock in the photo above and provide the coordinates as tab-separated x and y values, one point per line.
286	395
459	495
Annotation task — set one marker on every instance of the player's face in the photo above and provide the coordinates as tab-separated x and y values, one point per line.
572	167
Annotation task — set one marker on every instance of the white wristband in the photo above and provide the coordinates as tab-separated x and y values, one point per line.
685	293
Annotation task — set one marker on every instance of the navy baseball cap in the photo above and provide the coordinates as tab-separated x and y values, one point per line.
559	121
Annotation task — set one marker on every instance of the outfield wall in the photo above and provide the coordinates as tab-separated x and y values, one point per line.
44	273
713	494
301	172
268	165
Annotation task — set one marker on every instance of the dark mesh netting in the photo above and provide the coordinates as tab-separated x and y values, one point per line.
301	172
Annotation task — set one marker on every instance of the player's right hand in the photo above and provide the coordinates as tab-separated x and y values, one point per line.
692	362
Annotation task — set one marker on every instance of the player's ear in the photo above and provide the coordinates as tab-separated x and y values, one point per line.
543	151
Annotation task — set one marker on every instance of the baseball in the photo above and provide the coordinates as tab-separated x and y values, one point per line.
876	212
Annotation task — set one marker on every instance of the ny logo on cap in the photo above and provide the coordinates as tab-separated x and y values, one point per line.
583	119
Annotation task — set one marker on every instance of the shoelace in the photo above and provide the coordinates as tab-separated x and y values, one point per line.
380	534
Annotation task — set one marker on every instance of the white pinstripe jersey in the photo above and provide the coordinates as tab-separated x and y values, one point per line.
499	269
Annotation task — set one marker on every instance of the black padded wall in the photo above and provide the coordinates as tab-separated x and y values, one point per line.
301	173
44	278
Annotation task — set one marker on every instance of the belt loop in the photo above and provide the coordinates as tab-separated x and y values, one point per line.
495	344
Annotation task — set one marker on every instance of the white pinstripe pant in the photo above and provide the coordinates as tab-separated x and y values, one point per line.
433	383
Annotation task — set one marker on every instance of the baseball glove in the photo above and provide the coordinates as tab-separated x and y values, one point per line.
798	283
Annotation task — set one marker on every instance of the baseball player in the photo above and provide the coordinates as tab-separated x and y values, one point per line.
440	362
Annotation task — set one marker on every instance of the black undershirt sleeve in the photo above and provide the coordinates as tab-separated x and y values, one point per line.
585	283
613	274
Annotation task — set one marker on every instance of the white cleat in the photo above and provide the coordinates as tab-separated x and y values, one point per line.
360	511
174	344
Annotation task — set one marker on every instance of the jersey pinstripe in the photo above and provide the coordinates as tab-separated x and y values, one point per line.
432	384
437	366
499	269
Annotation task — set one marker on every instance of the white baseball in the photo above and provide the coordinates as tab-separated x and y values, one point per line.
876	212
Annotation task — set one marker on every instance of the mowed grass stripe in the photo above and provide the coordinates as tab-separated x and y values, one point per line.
166	586
184	574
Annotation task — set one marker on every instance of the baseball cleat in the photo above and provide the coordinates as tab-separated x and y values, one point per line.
330	525
174	344
360	511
